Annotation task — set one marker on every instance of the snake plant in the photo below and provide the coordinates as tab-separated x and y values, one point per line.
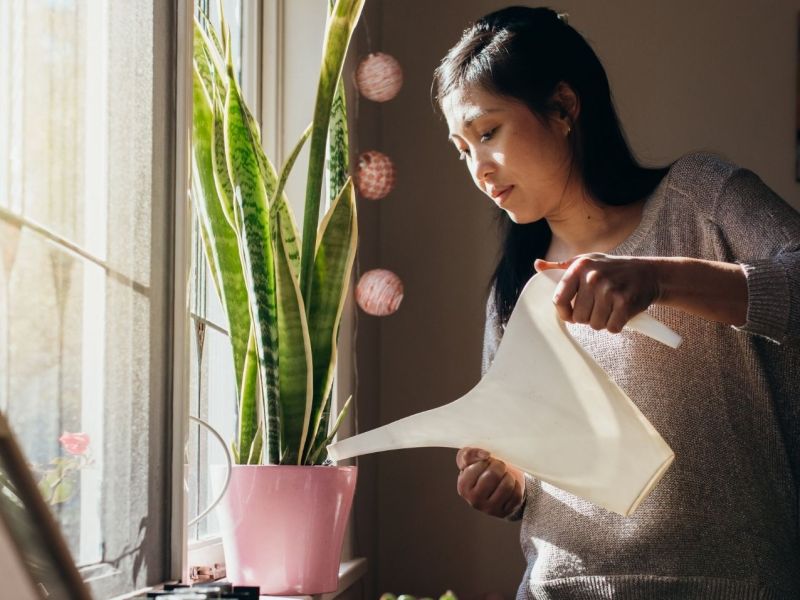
283	302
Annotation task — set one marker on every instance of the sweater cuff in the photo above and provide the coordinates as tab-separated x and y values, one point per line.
768	299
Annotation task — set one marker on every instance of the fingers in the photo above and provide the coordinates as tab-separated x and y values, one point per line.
602	307
583	305
602	291
468	479
618	318
471	463
515	498
543	265
566	289
468	456
487	484
498	499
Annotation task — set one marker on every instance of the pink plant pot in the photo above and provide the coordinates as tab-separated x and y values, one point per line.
283	526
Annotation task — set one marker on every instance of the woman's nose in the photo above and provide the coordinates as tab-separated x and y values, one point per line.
482	167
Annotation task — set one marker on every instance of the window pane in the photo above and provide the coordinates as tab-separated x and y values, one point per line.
83	283
213	399
212	382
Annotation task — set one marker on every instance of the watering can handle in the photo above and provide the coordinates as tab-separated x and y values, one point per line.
642	323
229	465
653	328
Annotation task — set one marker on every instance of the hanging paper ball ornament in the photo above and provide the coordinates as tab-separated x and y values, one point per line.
379	77
375	175
379	292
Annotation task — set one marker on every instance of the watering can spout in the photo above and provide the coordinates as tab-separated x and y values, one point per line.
405	433
546	407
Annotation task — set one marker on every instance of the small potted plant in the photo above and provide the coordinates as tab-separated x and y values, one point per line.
284	513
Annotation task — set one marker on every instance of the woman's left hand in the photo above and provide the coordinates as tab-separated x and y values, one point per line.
603	291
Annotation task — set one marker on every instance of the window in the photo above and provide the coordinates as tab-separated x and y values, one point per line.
91	261
85	240
212	389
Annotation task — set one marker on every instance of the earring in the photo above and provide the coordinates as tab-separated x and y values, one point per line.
569	129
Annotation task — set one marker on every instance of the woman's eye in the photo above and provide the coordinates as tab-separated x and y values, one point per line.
488	135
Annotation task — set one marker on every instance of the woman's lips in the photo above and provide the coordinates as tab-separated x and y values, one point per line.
503	196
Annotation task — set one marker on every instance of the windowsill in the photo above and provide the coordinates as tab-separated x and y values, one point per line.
350	572
209	552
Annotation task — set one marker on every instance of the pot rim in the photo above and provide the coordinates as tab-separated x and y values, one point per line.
283	467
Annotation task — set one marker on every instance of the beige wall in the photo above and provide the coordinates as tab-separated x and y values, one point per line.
715	75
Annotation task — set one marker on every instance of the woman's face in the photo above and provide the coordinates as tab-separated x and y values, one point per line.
519	161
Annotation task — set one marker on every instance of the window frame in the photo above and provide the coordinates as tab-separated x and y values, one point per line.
168	151
172	98
183	34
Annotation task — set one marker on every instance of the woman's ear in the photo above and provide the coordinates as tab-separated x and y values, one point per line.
567	103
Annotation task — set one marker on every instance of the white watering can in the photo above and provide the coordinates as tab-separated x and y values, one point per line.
546	407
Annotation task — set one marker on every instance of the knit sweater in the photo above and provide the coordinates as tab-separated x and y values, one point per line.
723	523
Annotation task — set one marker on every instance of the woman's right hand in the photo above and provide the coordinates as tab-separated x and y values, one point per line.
489	484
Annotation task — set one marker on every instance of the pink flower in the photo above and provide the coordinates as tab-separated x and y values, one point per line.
74	443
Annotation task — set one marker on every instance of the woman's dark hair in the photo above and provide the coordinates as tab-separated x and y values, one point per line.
525	53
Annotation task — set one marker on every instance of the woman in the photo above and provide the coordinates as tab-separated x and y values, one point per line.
703	245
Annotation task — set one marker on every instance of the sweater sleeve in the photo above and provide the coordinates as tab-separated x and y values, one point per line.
763	235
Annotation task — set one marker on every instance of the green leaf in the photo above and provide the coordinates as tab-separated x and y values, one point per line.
321	450
324	422
63	491
219	165
281	205
46	484
249	426
338	147
208	65
295	356
281	216
208	31
337	38
252	217
219	239
254	455
58	485
315	443
338	136
201	61
226	34
333	264
268	174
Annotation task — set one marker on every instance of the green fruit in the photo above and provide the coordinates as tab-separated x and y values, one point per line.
448	595
388	596
406	597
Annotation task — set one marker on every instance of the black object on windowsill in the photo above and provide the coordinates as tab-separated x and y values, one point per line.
207	590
